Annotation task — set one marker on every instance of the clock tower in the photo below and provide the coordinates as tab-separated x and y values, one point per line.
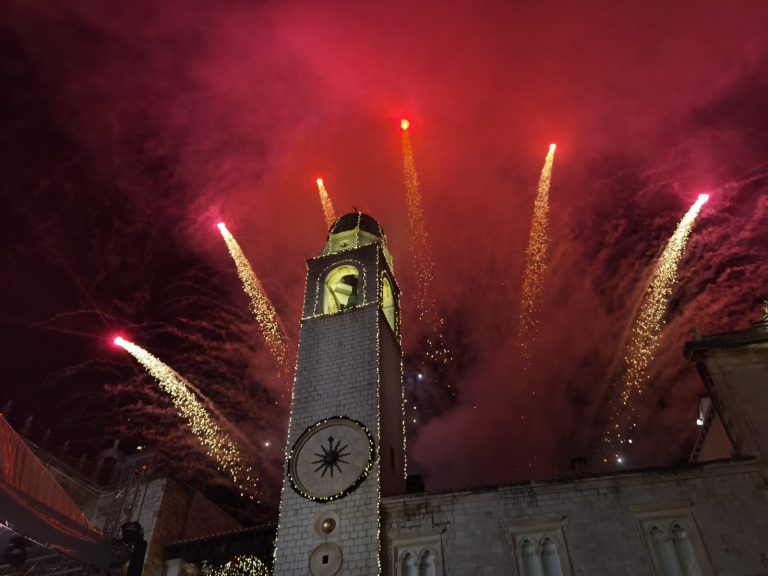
345	434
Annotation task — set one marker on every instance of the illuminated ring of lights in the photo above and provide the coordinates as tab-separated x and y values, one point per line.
307	434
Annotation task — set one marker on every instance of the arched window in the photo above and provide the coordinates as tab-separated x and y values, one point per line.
427	564
665	553
531	560
340	290
684	551
388	302
550	558
408	565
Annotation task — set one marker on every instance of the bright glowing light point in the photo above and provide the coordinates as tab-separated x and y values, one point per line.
319	181
703	198
552	147
405	124
222	227
619	460
118	341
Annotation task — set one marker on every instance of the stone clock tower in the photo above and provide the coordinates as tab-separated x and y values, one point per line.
345	437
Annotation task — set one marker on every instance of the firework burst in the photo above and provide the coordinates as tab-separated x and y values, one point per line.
215	441
325	200
261	306
646	332
422	258
535	263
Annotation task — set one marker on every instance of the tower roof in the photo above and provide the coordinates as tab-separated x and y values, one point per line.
354	220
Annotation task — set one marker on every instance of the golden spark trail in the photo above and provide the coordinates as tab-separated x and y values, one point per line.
330	215
216	442
262	308
646	332
535	263
422	258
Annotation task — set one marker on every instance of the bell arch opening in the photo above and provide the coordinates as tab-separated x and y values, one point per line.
388	302
340	289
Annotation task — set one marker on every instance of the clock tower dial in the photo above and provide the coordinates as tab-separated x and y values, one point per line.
331	459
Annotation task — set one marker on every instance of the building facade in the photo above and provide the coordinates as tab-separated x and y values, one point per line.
705	518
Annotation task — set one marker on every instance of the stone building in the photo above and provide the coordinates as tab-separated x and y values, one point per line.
345	509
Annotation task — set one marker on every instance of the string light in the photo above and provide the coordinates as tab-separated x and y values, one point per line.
325	200
215	441
261	306
419	246
535	263
646	331
243	565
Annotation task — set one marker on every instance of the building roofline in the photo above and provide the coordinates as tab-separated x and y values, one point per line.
756	334
728	465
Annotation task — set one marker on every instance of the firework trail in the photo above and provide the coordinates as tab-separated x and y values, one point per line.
646	332
422	258
216	442
262	308
330	215
535	263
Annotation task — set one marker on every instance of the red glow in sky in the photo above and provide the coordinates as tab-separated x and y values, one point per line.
182	130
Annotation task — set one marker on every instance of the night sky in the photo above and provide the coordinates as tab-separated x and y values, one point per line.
128	130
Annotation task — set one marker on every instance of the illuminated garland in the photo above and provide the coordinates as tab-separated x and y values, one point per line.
351	488
243	565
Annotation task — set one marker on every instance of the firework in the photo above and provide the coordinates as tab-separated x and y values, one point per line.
535	263
330	215
422	258
215	441
646	331
261	306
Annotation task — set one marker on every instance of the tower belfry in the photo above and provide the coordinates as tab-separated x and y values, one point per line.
345	437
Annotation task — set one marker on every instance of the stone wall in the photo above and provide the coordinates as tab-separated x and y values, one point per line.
600	519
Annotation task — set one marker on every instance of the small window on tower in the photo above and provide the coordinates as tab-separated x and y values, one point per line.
341	289
388	302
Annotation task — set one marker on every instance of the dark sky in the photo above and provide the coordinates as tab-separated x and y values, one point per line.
129	129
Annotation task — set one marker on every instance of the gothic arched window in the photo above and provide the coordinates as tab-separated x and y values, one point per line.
408	565
340	289
427	564
531	560
686	556
550	558
664	551
388	302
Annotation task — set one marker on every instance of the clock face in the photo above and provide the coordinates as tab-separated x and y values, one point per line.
330	459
